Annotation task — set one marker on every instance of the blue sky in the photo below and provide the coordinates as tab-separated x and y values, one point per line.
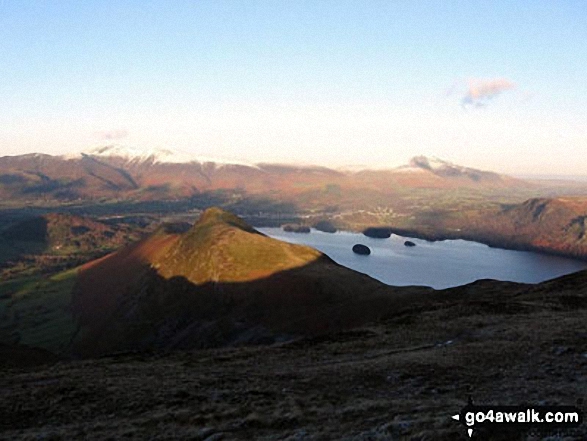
498	85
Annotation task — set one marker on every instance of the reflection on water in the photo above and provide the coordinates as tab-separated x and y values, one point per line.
437	264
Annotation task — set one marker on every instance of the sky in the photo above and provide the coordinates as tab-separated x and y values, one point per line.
495	85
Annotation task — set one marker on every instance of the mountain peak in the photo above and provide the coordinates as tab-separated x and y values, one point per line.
215	215
222	247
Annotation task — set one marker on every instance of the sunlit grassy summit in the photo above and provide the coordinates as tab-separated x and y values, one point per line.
223	248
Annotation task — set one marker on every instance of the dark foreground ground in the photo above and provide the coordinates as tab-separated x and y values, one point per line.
402	379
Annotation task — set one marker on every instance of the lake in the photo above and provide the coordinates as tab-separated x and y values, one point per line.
440	264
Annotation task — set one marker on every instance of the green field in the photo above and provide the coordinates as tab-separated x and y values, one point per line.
35	311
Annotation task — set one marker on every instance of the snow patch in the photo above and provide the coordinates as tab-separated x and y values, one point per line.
133	154
409	169
154	155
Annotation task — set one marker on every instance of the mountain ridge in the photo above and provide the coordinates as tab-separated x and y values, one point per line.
153	174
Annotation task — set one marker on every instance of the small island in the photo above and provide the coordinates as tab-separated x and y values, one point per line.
296	228
325	226
361	249
377	232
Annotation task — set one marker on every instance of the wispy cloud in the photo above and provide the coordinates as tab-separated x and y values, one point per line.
111	134
480	91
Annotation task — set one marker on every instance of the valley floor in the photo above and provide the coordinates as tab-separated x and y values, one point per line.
402	379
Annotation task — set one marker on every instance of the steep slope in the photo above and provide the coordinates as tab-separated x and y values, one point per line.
554	225
220	283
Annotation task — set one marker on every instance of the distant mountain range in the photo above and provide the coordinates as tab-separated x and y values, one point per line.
156	174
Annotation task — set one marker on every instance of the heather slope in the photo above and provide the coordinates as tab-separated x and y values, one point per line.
399	379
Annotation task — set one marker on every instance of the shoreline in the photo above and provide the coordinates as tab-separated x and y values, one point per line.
433	237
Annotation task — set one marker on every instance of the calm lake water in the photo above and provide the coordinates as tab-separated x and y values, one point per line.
436	264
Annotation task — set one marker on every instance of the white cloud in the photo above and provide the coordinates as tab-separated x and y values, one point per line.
480	91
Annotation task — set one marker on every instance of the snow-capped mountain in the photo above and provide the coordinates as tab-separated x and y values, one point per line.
127	172
446	169
418	163
136	155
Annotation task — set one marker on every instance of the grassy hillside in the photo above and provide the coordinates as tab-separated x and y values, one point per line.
36	311
222	248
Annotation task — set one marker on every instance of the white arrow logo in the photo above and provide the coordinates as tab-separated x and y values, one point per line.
457	417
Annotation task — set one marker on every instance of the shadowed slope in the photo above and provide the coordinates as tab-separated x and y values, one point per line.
400	379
